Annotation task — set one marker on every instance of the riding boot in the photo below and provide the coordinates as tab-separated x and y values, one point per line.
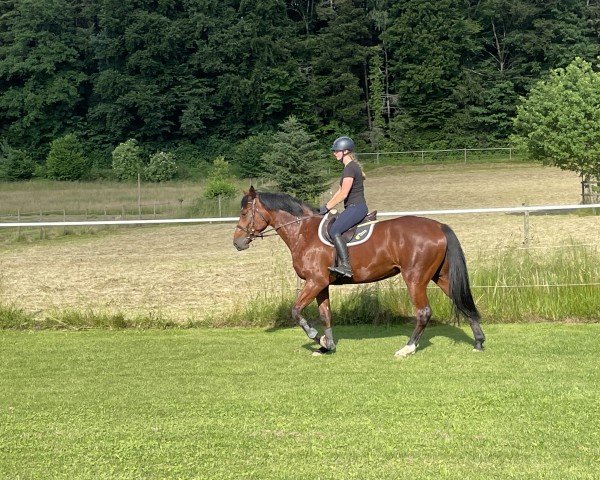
343	267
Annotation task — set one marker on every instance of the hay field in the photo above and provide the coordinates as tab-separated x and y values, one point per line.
193	272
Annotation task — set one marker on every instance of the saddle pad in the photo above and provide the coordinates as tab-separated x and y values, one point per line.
362	234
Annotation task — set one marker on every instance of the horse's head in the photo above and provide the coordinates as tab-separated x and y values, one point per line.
252	220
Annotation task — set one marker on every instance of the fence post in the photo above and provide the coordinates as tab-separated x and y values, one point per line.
219	197
465	155
19	220
526	227
422	156
42	231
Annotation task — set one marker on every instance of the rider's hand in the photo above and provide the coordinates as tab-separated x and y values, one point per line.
323	210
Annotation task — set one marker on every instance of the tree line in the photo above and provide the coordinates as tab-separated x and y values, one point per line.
204	78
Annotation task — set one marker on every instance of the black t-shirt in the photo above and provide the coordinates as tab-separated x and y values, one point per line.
357	192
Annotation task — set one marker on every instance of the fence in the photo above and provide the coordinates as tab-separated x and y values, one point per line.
440	156
590	192
141	211
525	210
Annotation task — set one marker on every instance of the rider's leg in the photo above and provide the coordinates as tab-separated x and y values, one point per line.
347	219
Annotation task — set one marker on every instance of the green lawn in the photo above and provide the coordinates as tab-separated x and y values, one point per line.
252	403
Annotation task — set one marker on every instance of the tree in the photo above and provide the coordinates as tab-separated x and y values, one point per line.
295	162
162	167
15	164
559	122
127	160
247	155
43	71
66	160
219	180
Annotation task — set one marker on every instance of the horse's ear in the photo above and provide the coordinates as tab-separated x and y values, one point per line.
252	192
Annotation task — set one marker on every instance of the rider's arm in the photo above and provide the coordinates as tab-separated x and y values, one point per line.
342	192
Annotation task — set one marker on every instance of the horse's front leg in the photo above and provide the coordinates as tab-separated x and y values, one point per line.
308	293
326	341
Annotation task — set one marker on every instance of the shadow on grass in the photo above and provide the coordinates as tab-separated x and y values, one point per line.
368	314
401	330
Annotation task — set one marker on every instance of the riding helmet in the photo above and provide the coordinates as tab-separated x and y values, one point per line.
342	143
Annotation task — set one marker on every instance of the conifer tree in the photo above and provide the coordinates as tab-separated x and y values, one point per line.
296	162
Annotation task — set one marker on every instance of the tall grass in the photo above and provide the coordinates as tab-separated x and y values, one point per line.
511	286
517	285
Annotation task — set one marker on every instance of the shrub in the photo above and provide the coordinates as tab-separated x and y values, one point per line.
162	167
15	164
127	160
247	155
219	180
66	160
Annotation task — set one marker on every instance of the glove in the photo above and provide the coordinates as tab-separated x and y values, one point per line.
323	210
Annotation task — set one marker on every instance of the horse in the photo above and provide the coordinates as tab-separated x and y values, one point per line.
418	248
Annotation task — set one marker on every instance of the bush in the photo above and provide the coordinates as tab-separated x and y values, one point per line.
66	160
127	160
219	180
162	167
247	155
15	164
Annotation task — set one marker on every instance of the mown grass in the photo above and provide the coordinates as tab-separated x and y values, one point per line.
251	403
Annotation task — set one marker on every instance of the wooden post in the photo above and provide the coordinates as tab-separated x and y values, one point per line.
526	227
465	155
139	195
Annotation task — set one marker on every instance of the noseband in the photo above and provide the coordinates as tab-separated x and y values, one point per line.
251	232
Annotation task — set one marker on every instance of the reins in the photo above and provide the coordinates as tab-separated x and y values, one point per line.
252	233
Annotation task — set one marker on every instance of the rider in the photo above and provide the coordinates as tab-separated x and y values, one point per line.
352	192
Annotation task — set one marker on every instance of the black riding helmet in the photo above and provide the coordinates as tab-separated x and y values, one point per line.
342	143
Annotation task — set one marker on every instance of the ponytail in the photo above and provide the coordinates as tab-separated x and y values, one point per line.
355	160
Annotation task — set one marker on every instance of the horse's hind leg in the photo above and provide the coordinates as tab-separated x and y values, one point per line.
442	282
418	295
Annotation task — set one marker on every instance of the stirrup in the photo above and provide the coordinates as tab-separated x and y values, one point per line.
341	270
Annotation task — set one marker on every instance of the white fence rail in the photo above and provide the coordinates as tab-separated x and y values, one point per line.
522	209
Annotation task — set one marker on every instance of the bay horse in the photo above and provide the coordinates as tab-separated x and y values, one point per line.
420	249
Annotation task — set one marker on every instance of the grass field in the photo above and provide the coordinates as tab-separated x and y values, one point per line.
231	403
193	273
252	403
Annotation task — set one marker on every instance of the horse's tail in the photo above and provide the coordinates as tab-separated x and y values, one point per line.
460	290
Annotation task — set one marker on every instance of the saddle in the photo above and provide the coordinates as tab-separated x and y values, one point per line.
358	234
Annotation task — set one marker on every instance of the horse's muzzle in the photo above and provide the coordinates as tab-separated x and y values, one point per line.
241	243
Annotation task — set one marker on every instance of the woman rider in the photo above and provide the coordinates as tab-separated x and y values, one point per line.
352	192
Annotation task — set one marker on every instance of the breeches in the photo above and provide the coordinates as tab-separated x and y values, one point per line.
348	218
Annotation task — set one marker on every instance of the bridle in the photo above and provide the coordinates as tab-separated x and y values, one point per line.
251	232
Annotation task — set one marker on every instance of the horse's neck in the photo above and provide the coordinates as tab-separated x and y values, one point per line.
292	227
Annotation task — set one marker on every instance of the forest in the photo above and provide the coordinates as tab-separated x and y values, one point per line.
201	78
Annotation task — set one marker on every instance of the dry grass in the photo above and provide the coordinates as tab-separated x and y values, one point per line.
191	272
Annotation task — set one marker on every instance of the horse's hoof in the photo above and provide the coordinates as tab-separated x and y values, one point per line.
326	344
478	350
320	352
405	351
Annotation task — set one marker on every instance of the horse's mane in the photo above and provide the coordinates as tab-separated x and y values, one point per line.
282	201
